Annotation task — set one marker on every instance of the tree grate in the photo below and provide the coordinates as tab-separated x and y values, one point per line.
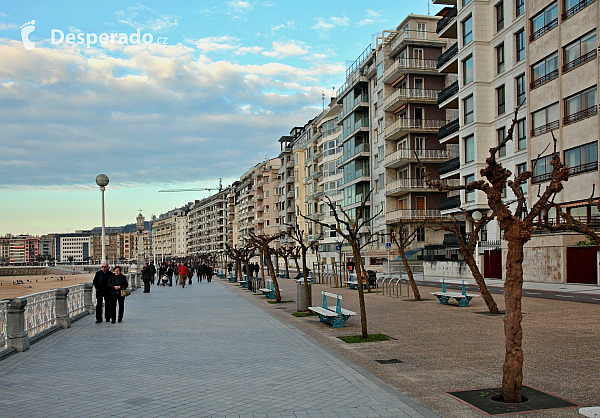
389	361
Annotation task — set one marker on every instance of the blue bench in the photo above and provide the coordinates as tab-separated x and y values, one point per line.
231	278
463	298
244	282
282	274
337	316
353	284
269	291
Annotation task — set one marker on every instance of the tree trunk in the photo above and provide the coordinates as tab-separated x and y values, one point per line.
305	274
411	278
273	277
512	370
485	293
261	254
246	263
287	268
297	265
361	294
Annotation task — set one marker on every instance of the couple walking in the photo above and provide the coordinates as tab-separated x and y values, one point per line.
108	290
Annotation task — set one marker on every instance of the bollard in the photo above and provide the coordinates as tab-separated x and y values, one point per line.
62	310
87	298
15	325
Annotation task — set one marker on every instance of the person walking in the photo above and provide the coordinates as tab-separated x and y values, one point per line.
190	273
153	273
146	277
116	283
170	274
100	283
182	274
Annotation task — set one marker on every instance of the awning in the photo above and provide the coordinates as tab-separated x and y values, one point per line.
577	204
408	254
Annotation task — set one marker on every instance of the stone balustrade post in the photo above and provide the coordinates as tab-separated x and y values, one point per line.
87	298
62	310
16	331
131	280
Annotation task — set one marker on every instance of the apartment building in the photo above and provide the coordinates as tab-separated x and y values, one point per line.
266	181
4	249
245	207
287	205
73	248
208	224
112	245
47	250
561	51
169	234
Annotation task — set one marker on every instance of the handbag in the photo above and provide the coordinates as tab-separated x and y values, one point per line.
125	293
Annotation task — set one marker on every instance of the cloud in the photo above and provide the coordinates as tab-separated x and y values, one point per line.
290	24
325	26
372	16
287	49
8	26
248	50
147	114
239	6
145	18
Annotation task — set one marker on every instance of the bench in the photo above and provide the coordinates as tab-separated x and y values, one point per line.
282	274
337	316
353	284
269	291
231	278
462	298
244	282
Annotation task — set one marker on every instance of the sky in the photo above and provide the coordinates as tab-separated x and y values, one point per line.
208	98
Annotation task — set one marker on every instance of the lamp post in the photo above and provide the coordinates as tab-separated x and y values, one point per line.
476	217
102	181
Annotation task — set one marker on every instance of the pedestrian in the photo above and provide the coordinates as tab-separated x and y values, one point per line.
229	267
209	273
100	283
256	269
182	274
116	283
153	272
146	277
162	271
170	274
244	269
190	274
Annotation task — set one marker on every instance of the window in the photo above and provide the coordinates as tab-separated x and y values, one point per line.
500	135
521	168
541	169
520	7
579	52
520	45
469	195
419	143
468	109
581	106
421	30
469	148
467	67
500	58
544	22
544	71
582	159
379	70
573	7
465	2
467	27
500	96
499	16
420	234
381	183
521	90
545	120
521	134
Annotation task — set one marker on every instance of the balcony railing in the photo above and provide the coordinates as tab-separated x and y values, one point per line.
413	154
542	31
448	129
443	22
447	55
580	61
411	184
417	214
448	166
545	128
410	64
583	168
357	150
411	94
583	114
576	9
403	124
448	92
450	202
544	79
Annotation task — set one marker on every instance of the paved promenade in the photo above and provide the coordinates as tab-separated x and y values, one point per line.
199	351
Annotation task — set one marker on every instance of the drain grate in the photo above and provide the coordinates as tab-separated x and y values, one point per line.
389	361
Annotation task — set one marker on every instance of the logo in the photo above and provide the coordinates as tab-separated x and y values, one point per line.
26	29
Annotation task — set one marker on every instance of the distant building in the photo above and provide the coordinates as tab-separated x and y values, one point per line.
73	248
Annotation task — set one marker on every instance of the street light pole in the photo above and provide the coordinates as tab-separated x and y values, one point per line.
477	217
102	181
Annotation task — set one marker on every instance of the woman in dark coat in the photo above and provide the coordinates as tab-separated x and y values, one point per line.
116	283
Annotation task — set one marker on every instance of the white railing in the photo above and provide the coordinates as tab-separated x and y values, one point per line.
75	300
413	94
410	184
407	214
410	63
3	335
40	312
422	154
404	124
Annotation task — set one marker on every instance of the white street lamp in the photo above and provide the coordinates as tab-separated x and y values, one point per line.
476	217
102	181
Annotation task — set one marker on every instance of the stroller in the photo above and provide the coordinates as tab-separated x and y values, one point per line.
164	279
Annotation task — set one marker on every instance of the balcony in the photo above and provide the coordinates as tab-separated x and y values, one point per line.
402	96
361	100
291	194
402	186
576	9
412	65
448	166
404	156
449	129
450	202
403	126
362	150
544	30
414	37
583	114
544	79
413	214
446	26
580	61
290	179
447	93
291	209
552	126
447	62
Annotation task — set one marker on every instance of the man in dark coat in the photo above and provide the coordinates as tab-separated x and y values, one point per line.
100	283
146	277
153	272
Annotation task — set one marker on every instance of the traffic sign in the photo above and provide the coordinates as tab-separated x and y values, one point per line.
388	245
337	248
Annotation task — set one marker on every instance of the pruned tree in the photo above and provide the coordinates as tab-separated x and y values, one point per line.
295	254
351	225
517	221
297	234
285	252
403	238
235	253
262	243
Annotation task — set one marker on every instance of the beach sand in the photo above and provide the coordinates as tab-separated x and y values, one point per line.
39	283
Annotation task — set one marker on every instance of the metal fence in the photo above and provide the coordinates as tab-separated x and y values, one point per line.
3	336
